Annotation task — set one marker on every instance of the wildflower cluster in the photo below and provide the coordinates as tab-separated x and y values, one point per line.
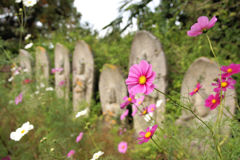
140	81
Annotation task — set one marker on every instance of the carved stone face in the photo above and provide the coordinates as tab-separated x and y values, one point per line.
112	96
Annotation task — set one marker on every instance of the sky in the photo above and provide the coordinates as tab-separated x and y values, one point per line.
99	13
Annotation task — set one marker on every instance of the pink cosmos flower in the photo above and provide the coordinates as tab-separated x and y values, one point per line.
134	110
122	147
61	83
213	101
144	111
79	137
18	99
139	101
202	25
140	78
195	90
71	153
124	114
226	83
6	158
54	70
127	101
230	70
26	81
151	108
146	136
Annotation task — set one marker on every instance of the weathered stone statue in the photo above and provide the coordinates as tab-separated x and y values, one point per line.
147	47
42	65
112	89
203	71
83	74
25	61
62	63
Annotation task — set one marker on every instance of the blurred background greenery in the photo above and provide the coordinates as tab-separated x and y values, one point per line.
60	22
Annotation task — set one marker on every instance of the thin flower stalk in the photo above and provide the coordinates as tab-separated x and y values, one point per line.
210	129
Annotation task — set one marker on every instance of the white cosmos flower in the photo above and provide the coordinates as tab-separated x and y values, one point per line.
97	155
36	92
159	102
10	79
27	36
42	85
20	132
18	1
13	69
25	70
147	118
29	45
16	72
29	3
49	89
10	102
82	113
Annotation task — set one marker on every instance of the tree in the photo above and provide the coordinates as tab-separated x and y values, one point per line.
44	17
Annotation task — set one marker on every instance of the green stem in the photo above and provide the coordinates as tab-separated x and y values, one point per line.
21	28
156	144
210	44
174	102
212	132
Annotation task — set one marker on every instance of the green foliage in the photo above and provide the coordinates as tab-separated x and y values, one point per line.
55	127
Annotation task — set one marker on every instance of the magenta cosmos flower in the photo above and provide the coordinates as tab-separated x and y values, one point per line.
61	83
127	101
139	101
124	114
71	153
213	101
151	108
54	70
18	99
224	84
79	137
230	70
6	158
202	25
140	78
122	147
146	136
195	90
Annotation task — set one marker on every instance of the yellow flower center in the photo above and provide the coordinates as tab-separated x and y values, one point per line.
148	134
152	109
29	2
144	112
142	80
229	70
22	131
123	147
214	101
196	89
224	84
129	99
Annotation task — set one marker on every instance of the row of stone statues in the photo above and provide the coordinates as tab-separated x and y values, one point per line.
82	71
112	86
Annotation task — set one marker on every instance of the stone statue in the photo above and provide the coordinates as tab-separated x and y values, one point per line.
42	65
112	89
147	47
83	74
62	64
